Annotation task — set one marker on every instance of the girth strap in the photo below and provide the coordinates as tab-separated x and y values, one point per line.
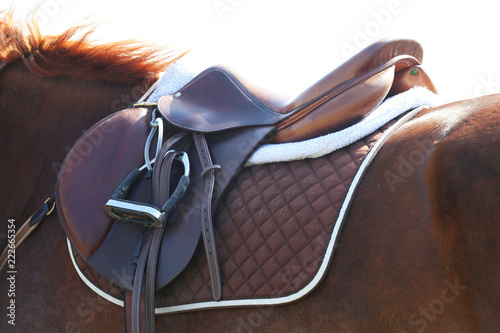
29	226
207	229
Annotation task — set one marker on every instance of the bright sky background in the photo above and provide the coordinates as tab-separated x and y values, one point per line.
291	44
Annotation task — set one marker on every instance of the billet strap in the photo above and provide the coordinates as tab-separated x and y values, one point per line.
207	229
29	226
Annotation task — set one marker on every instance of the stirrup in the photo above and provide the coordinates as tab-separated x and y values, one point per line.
141	213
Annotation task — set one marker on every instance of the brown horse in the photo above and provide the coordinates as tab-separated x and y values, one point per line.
418	252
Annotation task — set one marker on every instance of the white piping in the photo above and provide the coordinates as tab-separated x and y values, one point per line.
89	283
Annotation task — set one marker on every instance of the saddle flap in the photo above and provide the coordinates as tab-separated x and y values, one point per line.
101	159
90	173
215	101
98	162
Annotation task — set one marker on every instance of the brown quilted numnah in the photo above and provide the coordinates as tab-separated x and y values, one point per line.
272	228
107	286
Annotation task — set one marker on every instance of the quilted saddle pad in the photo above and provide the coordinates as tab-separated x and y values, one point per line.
275	230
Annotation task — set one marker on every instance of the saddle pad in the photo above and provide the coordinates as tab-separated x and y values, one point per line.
273	229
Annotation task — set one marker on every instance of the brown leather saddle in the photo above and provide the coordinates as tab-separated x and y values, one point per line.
216	122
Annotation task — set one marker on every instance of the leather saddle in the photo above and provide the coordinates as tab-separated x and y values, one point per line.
218	121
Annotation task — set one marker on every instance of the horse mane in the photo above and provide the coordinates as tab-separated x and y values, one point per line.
72	54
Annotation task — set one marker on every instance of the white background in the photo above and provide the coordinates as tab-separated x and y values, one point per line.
291	44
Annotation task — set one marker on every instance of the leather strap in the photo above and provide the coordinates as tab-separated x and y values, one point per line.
29	226
127	307
162	177
137	290
140	317
207	230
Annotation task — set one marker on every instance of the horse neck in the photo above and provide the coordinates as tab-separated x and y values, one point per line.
41	120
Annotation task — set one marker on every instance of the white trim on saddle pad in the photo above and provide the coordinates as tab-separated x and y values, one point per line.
320	274
180	73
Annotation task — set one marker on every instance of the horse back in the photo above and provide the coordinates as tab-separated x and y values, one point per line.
421	239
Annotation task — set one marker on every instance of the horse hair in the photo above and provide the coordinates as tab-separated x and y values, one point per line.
72	53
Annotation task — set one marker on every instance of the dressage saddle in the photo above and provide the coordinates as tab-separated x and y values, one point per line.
139	226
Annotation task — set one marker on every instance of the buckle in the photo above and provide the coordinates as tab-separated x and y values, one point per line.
141	213
144	105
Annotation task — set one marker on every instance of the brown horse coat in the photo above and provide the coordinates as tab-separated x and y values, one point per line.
419	251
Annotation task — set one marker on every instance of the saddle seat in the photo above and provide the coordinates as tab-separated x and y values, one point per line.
341	98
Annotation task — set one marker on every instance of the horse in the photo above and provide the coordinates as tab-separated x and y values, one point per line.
419	250
57	86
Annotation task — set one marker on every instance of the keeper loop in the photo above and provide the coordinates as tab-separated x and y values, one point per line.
210	168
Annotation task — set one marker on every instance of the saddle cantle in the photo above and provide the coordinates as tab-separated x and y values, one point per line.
219	122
